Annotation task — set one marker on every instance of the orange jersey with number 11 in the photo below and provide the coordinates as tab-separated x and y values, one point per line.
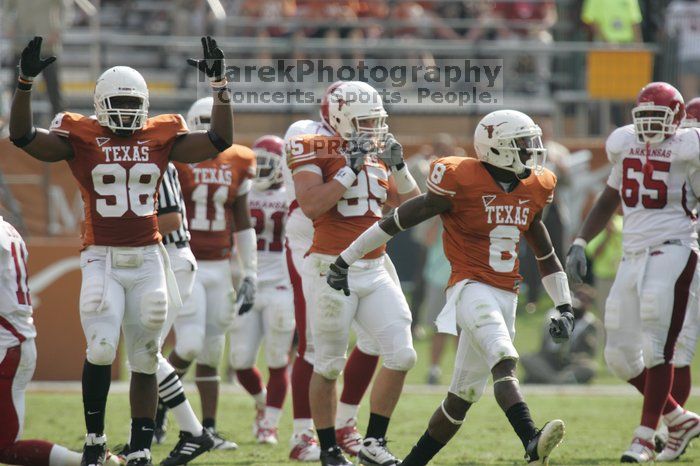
482	229
360	206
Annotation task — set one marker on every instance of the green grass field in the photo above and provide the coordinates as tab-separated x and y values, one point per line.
599	427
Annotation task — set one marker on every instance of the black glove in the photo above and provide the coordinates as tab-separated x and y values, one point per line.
213	64
246	295
337	276
392	155
30	62
358	149
576	265
561	328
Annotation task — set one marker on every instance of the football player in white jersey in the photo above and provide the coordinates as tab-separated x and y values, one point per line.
18	360
655	175
272	315
362	360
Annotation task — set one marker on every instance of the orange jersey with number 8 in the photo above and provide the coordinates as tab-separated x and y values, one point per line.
210	189
482	229
360	206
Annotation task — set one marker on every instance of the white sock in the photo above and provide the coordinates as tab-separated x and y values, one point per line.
260	399
170	391
272	416
302	425
647	433
673	415
61	456
345	413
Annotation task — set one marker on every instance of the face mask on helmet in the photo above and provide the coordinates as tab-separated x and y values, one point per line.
267	170
123	114
518	154
653	123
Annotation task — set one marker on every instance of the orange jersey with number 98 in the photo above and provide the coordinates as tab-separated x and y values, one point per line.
210	189
360	206
482	229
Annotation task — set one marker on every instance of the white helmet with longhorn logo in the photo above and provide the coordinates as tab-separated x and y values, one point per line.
510	140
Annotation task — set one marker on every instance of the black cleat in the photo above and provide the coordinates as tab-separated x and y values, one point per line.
542	444
160	431
334	457
188	448
94	450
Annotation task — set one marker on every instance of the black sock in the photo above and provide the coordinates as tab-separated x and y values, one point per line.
377	427
141	433
426	448
519	417
170	391
96	381
326	438
209	423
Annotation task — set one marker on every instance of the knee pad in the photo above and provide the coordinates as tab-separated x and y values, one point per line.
402	359
212	351
101	352
144	359
621	364
189	344
328	318
330	369
154	309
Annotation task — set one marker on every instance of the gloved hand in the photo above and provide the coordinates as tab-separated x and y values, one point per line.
576	266
213	64
337	276
246	295
30	62
358	148
392	155
561	328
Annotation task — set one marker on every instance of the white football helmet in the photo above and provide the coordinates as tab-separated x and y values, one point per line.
501	137
354	108
268	168
199	114
121	81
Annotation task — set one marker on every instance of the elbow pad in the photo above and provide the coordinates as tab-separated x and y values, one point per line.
217	141
247	247
24	140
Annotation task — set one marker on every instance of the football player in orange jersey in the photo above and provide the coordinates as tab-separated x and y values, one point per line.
118	158
216	197
485	205
342	183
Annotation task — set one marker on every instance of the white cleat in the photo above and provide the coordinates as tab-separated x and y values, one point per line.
304	447
542	444
375	453
266	433
221	443
685	428
641	450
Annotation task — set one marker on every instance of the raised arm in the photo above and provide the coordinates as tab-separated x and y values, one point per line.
599	216
37	142
407	215
554	279
197	146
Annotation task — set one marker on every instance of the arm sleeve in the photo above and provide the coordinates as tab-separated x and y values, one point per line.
169	192
442	177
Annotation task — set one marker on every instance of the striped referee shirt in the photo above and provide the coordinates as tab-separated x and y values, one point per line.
170	200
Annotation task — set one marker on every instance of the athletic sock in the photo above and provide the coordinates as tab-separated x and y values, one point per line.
272	416
639	382
209	423
277	387
656	395
378	425
141	433
301	377
302	425
680	391
96	381
344	413
357	376
34	452
519	417
326	438
426	448
251	380
172	394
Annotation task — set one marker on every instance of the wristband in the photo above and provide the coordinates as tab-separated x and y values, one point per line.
216	140
223	82
404	181
345	176
24	140
24	84
580	242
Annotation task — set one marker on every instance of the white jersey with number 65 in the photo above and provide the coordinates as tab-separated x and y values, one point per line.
659	202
